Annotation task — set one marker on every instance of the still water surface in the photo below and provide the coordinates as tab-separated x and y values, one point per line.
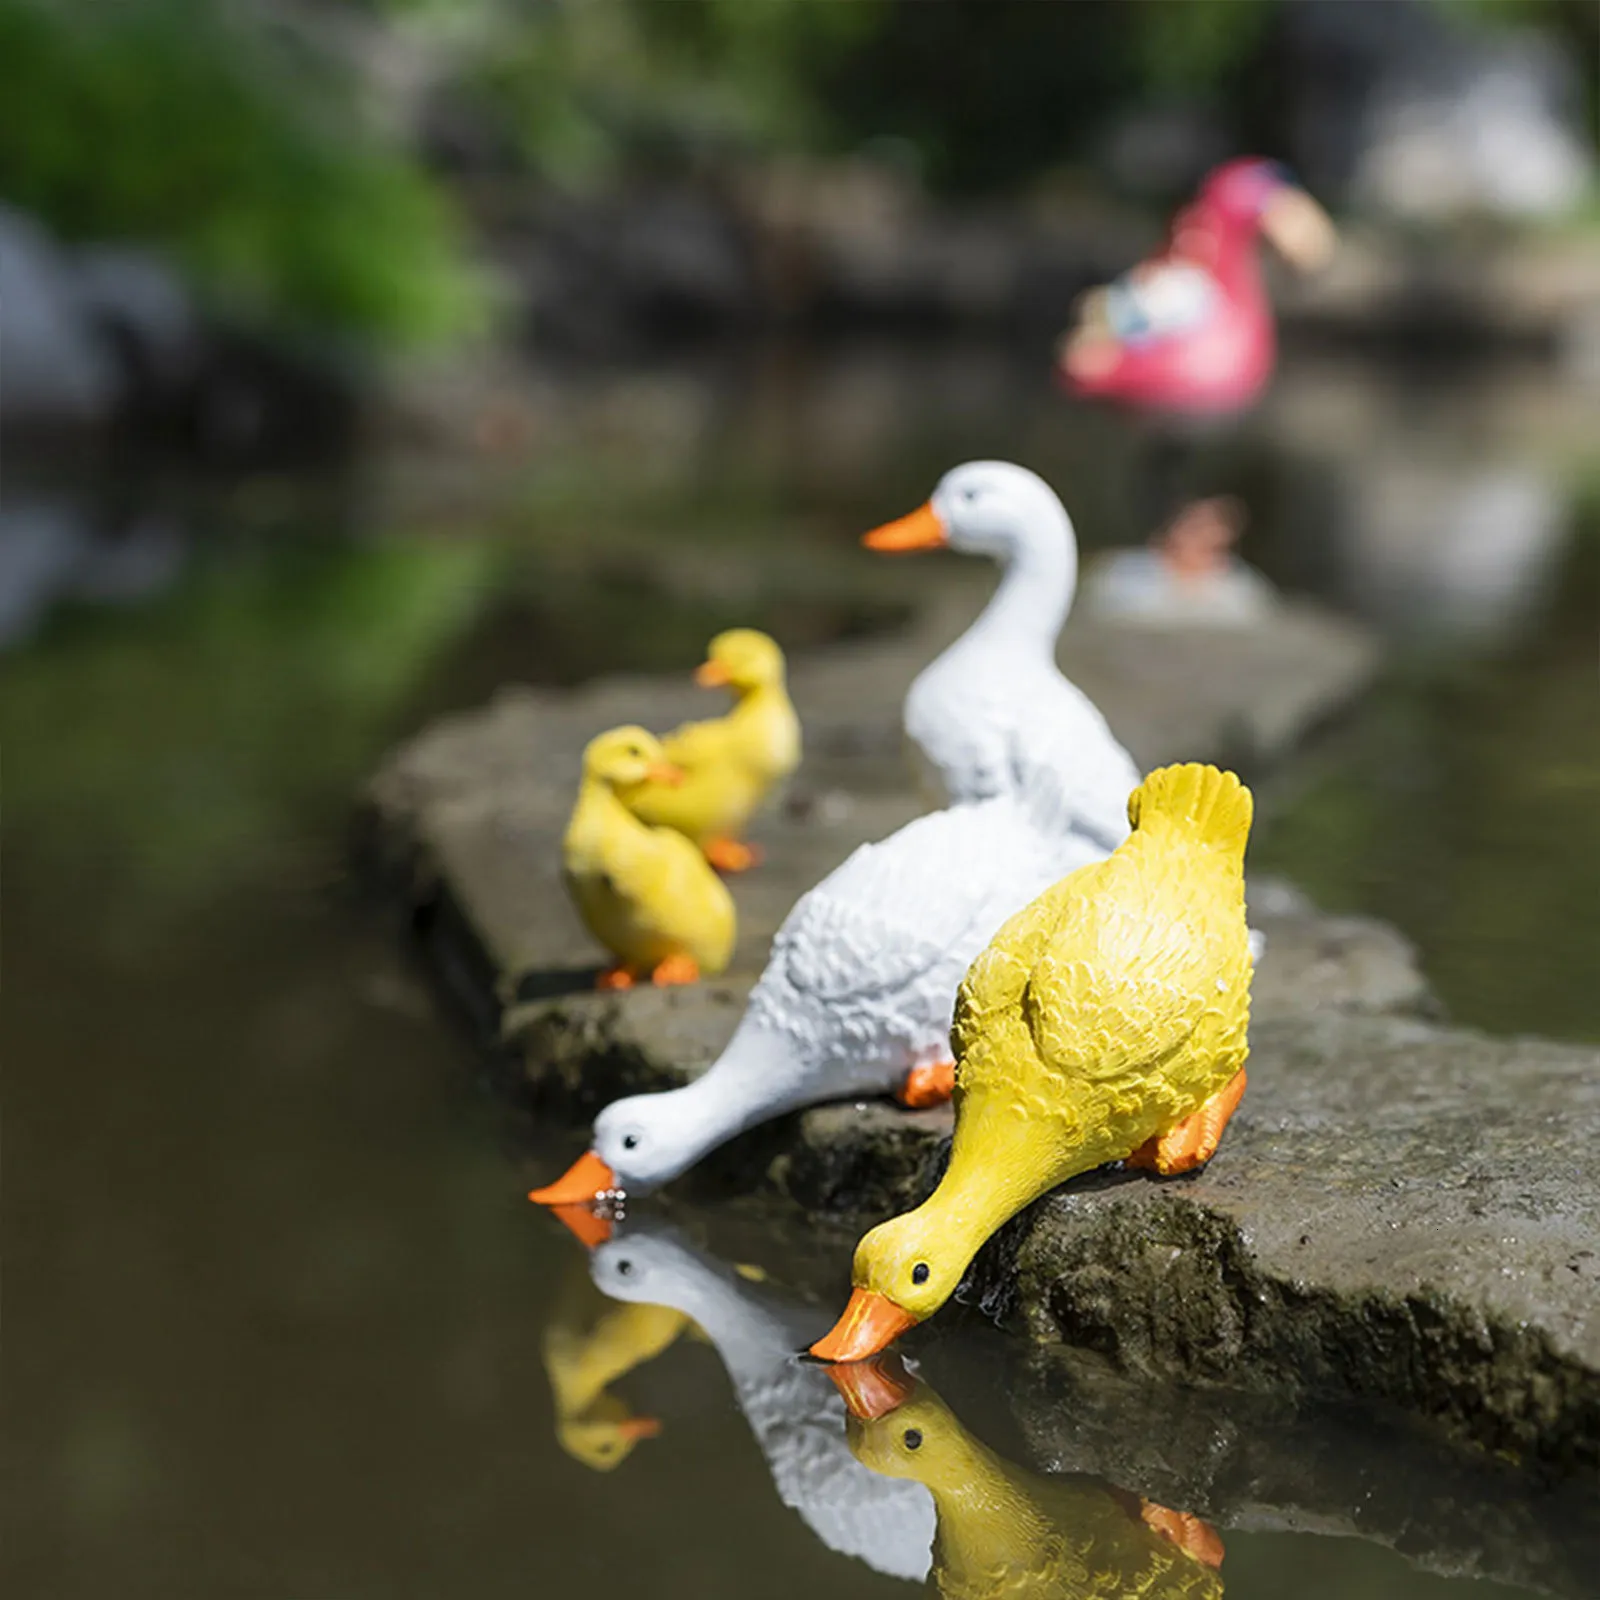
281	1322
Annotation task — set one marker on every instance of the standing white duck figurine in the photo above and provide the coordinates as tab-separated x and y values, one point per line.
998	688
793	1407
858	992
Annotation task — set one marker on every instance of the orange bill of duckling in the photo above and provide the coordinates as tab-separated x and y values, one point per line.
1106	1021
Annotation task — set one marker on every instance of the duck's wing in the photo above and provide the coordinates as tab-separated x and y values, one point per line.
1074	770
1167	298
896	909
1108	996
961	732
695	743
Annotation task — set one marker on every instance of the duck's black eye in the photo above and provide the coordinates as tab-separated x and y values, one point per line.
624	1267
919	1273
630	1141
969	495
913	1438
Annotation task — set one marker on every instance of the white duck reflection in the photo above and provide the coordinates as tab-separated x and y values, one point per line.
793	1407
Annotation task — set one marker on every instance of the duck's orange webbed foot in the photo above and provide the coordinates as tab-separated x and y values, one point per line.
1191	1535
1194	1141
675	970
931	1084
616	978
729	855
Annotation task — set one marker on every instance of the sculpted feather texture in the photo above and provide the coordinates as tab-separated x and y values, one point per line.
1107	1020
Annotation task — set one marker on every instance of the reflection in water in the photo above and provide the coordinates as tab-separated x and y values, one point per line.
792	1408
53	548
1006	1532
589	1343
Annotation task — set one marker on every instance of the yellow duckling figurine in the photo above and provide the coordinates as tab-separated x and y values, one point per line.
1105	1021
644	892
590	1343
1007	1534
732	764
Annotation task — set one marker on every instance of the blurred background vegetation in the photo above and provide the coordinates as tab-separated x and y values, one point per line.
296	157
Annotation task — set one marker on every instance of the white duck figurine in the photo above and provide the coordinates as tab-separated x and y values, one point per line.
999	684
859	989
793	1407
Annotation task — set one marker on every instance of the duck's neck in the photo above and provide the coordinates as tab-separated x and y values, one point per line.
988	1183
1027	610
754	1079
600	821
988	1524
626	1337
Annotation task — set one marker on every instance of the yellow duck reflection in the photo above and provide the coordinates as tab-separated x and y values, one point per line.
589	1344
1006	1532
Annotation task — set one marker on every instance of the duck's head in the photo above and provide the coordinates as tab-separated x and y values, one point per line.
898	1427
638	1144
605	1435
624	758
988	508
741	659
905	1269
645	1265
1255	193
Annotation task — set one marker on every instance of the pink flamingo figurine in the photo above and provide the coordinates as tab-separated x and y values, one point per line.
1191	329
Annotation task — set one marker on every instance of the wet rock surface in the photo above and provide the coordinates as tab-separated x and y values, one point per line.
1401	1211
1273	1462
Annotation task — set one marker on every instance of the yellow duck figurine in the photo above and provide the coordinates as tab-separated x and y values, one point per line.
1107	1020
1007	1534
644	892
733	763
590	1343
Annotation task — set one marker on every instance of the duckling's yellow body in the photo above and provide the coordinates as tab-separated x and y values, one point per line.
1007	1534
645	892
731	764
590	1343
1106	1020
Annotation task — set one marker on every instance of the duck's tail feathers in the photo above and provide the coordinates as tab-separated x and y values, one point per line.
1207	804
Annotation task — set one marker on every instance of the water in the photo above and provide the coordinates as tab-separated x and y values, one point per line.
278	1310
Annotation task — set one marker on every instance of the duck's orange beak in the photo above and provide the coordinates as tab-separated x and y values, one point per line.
872	1389
586	1179
585	1224
712	675
664	772
636	1428
870	1322
922	530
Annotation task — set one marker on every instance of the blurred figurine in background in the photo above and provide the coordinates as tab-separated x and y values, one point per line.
1191	330
1188	338
589	1344
645	892
1006	1534
998	685
1187	574
1106	1021
731	765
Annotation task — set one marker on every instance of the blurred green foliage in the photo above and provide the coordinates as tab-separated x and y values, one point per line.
199	128
280	150
596	88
